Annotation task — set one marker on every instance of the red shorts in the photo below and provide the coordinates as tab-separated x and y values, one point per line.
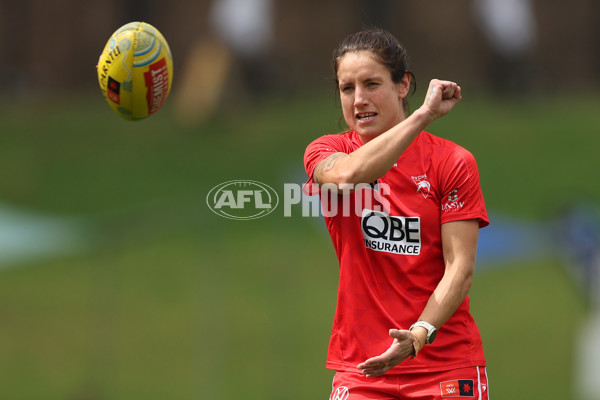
463	383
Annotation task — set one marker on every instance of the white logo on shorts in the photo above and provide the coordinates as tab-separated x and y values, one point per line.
341	393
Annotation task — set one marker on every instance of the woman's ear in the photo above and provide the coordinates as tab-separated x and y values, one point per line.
404	86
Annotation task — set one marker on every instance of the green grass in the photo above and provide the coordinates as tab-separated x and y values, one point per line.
172	301
528	314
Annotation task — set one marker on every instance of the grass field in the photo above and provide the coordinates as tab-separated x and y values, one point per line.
168	300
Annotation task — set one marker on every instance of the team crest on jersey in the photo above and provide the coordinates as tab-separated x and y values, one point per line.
453	196
423	185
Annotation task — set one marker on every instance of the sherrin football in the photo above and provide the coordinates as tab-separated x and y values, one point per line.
135	71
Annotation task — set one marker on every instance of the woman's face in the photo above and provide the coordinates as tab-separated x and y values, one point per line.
371	101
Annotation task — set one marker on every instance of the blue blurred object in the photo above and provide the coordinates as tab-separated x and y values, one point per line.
577	235
573	236
512	239
27	236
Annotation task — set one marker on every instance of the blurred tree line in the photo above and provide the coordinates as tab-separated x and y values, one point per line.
51	46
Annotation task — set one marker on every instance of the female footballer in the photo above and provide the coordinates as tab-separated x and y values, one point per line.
402	327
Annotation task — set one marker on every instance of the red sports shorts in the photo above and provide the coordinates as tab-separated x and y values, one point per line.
463	383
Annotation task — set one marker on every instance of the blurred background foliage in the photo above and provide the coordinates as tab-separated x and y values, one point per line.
118	282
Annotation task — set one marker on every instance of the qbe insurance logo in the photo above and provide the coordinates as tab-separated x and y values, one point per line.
242	199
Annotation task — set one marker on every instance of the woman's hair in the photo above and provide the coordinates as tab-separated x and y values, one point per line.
385	48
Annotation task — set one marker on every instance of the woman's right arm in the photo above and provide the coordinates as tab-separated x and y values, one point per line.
372	160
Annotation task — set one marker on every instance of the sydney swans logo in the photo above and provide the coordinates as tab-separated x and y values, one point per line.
423	185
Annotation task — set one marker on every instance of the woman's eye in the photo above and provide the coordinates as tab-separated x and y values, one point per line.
346	89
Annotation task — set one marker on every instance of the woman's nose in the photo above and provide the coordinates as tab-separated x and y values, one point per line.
360	97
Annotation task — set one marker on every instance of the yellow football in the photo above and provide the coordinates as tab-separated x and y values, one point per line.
135	70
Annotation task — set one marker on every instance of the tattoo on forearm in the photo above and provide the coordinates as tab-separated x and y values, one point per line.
327	165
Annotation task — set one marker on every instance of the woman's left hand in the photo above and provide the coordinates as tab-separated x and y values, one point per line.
401	349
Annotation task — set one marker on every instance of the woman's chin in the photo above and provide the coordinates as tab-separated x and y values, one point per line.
366	134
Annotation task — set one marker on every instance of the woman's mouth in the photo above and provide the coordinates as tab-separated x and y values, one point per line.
365	116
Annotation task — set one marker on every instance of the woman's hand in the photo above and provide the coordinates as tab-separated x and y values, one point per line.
402	348
441	97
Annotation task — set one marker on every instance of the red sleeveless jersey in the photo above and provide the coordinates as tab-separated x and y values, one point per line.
387	238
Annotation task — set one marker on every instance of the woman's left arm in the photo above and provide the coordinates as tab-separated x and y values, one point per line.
459	244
